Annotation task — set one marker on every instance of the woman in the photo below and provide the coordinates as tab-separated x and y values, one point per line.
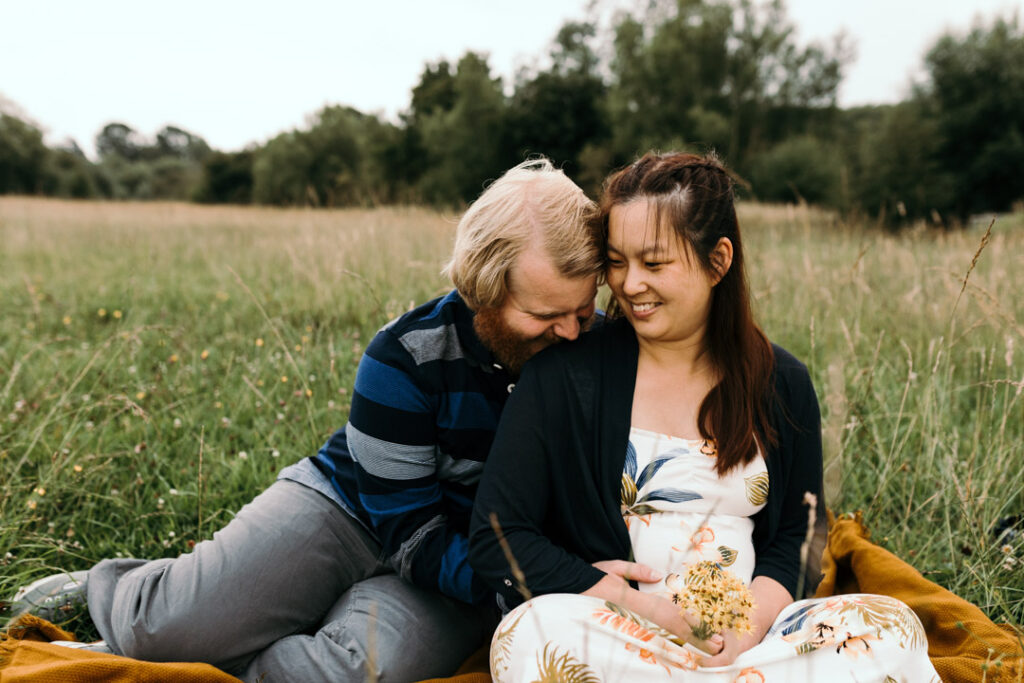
676	434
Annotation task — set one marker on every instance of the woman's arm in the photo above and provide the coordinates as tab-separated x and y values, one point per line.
517	489
614	587
799	466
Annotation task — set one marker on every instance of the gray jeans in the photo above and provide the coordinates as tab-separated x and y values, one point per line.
292	589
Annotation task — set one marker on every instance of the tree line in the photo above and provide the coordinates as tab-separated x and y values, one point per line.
723	75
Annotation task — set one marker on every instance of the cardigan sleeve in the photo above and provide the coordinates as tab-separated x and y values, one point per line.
798	472
516	487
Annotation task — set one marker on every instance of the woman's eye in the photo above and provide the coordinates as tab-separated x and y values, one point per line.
614	262
653	264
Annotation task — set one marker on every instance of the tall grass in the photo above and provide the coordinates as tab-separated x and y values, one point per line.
159	363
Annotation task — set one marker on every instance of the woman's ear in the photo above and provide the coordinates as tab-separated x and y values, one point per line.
721	259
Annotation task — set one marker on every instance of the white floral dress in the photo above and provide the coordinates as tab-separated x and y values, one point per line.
679	511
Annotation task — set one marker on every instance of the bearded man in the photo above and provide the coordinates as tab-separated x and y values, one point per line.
353	564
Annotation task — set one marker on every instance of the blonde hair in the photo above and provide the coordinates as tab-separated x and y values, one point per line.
533	203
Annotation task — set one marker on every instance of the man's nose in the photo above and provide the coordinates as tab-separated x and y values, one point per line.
567	328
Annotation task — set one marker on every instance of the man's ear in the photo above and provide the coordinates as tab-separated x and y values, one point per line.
721	259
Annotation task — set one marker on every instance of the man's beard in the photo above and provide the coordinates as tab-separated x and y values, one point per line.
510	347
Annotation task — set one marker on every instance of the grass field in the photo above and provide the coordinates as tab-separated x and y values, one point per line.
160	362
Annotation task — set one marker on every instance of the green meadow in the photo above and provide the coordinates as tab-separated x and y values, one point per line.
160	362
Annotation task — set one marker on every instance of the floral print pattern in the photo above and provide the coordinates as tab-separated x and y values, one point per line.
688	514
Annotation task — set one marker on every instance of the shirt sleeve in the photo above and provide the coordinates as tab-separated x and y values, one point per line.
801	468
515	489
391	436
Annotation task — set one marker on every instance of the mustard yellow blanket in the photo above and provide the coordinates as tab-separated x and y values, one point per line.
963	644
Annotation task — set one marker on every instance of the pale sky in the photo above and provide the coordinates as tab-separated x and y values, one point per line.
239	72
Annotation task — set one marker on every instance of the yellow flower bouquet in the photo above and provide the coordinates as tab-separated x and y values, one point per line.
716	596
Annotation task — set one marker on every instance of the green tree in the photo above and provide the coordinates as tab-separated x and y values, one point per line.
976	85
119	140
23	156
716	73
559	111
464	144
800	168
70	174
226	179
172	141
896	169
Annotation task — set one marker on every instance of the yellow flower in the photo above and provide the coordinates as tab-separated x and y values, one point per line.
716	596
298	347
173	358
259	341
204	355
77	468
309	393
284	378
117	315
66	320
102	313
140	395
31	504
41	491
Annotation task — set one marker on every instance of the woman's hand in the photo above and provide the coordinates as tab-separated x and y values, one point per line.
733	647
666	614
769	599
631	571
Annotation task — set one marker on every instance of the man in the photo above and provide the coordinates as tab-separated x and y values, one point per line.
353	564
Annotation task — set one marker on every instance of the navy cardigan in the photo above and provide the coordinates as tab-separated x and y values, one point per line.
553	475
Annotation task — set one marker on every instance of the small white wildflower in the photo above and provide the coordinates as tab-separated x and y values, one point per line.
1006	548
330	404
170	534
173	492
86	398
166	543
160	502
115	492
8	555
312	378
177	423
224	421
90	425
131	370
280	416
243	455
275	453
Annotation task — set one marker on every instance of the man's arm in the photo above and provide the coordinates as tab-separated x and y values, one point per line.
392	435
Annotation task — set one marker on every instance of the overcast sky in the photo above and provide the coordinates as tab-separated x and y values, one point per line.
239	72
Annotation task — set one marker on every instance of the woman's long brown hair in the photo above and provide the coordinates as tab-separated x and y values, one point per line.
693	195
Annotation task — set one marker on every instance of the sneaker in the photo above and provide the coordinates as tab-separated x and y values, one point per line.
53	598
98	646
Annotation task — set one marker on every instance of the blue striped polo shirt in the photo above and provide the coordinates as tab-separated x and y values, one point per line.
426	404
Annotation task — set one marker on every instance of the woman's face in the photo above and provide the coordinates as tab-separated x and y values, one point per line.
661	288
